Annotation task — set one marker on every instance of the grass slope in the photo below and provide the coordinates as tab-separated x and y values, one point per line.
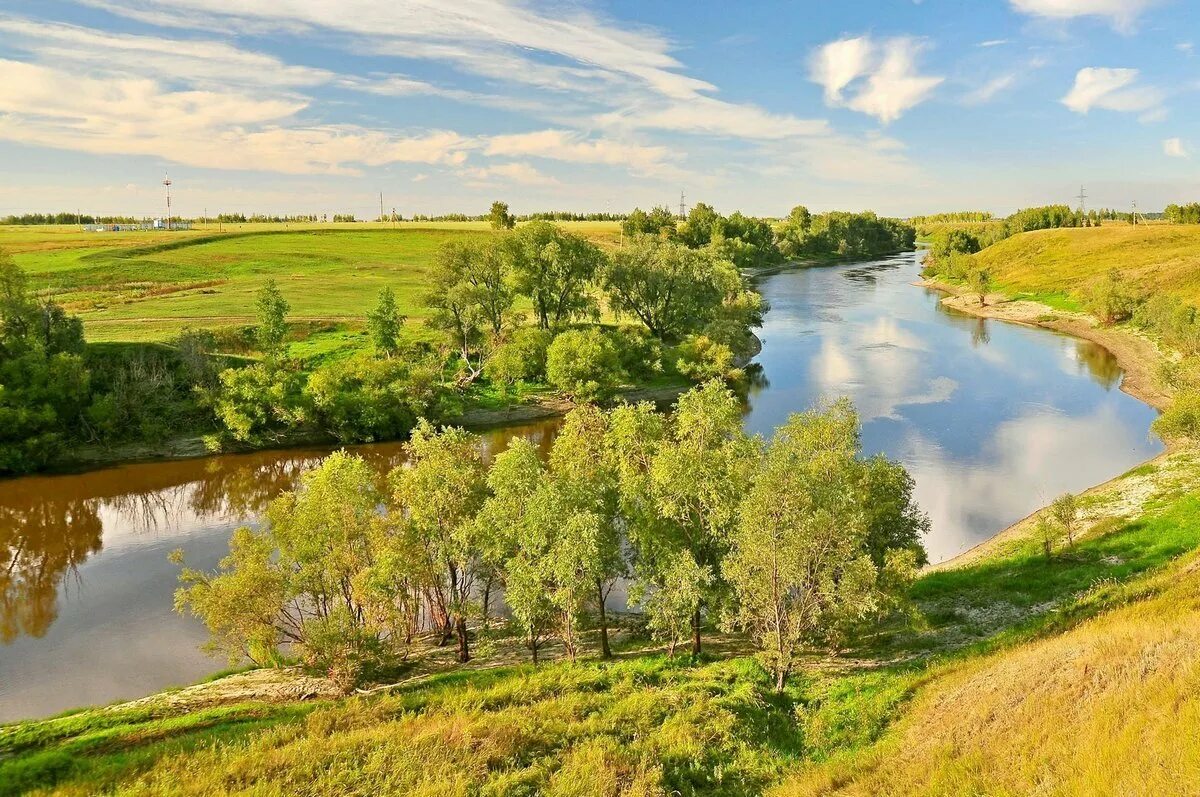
1053	265
1071	675
146	286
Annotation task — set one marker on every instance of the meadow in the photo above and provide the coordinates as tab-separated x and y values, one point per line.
147	286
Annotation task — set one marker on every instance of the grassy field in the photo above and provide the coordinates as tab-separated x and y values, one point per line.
1071	675
1056	266
146	286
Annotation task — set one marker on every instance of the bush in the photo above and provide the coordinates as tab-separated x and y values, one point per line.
1111	300
584	364
365	399
701	358
1169	316
1181	419
640	352
521	358
261	402
41	401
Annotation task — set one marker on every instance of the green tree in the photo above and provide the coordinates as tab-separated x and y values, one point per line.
668	287
470	293
272	311
800	565
680	484
1065	512
520	358
554	268
584	364
979	282
1111	299
499	216
437	496
384	324
702	223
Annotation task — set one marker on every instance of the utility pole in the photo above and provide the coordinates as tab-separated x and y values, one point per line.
393	218
167	183
1133	217
1082	199
682	206
79	219
381	216
206	218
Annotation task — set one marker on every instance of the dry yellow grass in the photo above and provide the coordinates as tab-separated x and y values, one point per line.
1157	257
1109	708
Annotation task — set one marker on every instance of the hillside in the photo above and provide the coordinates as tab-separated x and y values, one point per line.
147	286
1058	263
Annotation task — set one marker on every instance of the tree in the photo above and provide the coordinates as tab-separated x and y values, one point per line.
800	565
272	311
520	358
553	268
500	218
584	364
1111	299
979	282
436	498
470	292
1065	512
671	289
680	484
702	223
660	221
384	324
300	579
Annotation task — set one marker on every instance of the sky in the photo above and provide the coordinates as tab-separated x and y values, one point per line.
318	106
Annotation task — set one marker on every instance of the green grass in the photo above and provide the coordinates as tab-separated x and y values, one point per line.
647	724
1061	264
146	286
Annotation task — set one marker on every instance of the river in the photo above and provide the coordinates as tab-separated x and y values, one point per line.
993	420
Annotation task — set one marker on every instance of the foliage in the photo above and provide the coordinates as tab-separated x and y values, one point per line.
470	292
841	233
701	358
1177	322
979	282
1043	218
1111	299
553	268
660	221
363	399
1182	419
668	287
801	564
1188	213
519	358
499	217
673	598
584	364
261	402
384	323
272	311
952	242
1064	512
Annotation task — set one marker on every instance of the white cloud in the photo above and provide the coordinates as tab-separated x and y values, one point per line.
986	92
519	173
214	129
713	117
876	78
1122	13
1111	90
1175	148
992	43
566	145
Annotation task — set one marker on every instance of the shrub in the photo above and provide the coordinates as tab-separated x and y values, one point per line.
640	352
521	358
584	364
365	399
1111	300
701	358
260	402
1181	419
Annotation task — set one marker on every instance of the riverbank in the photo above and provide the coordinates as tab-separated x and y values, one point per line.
1140	358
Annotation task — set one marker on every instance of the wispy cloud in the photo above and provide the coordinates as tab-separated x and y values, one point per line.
1121	13
880	79
987	91
1175	148
1111	90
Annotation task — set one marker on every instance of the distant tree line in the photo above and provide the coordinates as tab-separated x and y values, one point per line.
1182	214
67	218
955	216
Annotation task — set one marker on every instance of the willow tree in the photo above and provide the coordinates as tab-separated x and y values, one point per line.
435	498
801	564
554	268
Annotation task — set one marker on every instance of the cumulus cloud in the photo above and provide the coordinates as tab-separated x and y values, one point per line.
1122	13
1175	148
880	79
1111	90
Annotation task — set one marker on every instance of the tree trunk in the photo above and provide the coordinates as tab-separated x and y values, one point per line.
696	632
447	632
533	646
605	650
487	601
460	629
780	678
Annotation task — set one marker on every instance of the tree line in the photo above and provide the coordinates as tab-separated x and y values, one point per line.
796	540
1182	214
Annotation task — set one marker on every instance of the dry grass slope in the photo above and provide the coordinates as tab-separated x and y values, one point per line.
1111	707
1065	261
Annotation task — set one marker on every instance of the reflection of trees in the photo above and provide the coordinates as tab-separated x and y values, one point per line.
980	336
1099	362
42	538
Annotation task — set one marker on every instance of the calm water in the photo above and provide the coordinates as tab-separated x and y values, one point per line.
992	419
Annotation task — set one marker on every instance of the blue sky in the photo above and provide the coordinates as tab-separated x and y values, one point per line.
319	105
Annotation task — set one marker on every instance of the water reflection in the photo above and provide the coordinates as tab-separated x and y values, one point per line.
992	419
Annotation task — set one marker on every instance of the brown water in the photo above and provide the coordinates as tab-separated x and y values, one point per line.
993	420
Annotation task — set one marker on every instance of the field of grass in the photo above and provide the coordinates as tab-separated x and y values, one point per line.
1071	675
146	286
1057	266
